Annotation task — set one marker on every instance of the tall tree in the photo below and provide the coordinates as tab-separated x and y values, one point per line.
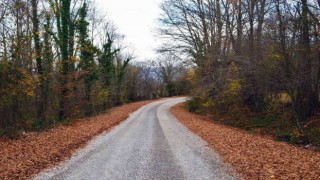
38	56
87	51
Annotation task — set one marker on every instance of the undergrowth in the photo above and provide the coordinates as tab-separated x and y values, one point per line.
276	121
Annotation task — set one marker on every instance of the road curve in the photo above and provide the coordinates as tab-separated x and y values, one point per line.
150	144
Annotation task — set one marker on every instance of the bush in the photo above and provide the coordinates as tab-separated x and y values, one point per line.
313	135
200	104
37	124
228	100
284	136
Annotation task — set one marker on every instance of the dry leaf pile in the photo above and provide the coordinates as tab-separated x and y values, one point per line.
28	155
254	157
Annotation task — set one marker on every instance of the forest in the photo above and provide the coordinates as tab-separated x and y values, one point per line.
256	62
64	59
233	91
253	64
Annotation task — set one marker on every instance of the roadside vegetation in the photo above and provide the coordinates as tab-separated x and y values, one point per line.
63	60
32	152
255	63
252	156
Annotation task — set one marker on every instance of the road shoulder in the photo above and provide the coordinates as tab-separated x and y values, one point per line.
24	157
253	157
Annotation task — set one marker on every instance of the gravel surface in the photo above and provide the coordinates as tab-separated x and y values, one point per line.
150	144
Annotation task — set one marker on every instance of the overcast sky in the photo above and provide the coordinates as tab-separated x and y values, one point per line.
137	20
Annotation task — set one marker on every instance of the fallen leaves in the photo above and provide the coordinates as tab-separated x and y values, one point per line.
35	151
254	157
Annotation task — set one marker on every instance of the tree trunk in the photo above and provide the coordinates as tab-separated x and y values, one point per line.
64	42
309	99
38	49
238	48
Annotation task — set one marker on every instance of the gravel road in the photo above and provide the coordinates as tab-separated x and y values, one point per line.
150	144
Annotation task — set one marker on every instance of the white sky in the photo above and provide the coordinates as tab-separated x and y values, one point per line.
137	20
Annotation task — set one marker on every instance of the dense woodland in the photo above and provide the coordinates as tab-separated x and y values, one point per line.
257	62
63	59
252	63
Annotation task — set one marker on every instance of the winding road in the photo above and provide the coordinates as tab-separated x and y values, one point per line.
150	144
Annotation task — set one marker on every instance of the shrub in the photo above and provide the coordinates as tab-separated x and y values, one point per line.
200	104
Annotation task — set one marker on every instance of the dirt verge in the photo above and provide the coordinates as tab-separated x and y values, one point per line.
253	157
24	157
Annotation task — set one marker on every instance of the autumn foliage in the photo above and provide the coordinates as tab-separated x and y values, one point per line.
61	60
34	151
258	58
253	156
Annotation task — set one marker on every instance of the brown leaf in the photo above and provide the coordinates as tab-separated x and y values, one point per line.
252	156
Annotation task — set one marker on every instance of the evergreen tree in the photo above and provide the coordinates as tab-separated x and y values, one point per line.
87	52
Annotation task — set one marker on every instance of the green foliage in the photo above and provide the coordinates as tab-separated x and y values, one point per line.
258	69
87	50
87	53
51	72
263	120
106	62
171	88
228	100
63	41
314	135
37	124
82	24
229	96
284	136
200	104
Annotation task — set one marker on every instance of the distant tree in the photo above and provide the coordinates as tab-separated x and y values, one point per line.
169	70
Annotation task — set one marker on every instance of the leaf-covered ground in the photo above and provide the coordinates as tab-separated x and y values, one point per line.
254	157
24	157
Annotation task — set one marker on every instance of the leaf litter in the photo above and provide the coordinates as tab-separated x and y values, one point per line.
252	156
26	156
